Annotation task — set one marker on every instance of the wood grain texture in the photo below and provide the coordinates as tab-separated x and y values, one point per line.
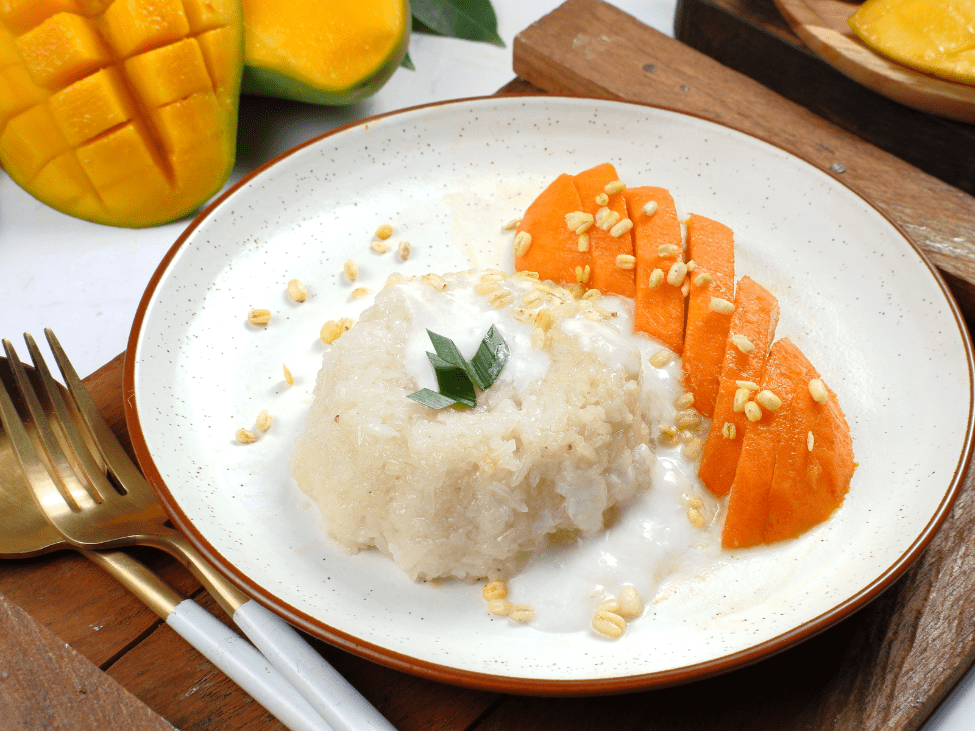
752	37
68	691
822	26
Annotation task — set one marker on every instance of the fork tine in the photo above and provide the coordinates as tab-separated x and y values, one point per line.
110	449
78	447
36	469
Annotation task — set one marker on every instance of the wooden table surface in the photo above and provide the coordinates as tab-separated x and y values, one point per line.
886	667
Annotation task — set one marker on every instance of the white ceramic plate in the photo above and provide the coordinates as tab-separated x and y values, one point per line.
855	296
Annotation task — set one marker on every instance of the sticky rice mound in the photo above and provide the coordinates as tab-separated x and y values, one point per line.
467	493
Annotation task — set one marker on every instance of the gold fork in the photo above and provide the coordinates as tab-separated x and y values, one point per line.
103	501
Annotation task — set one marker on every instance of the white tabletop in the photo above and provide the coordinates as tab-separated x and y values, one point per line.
85	280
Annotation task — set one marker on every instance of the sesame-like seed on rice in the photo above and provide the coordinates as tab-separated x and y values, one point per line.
661	358
360	292
532	298
330	331
695	502
544	319
592	295
494	590
351	269
486	288
384	231
668	435
526	274
521	613
578	289
494	277
435	281
684	401
380	247
499	607
264	420
259	316
697	520
297	290
688	419
608	624
692	449
245	436
631	605
817	389
753	411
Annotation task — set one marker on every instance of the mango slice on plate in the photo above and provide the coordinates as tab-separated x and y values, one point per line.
122	112
933	36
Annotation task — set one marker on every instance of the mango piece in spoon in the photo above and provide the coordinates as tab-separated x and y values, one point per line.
932	36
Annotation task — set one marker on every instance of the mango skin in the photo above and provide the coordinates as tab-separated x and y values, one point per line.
120	112
277	74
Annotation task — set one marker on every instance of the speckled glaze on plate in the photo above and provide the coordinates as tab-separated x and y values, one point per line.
855	296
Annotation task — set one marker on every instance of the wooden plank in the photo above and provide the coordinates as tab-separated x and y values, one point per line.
66	690
752	37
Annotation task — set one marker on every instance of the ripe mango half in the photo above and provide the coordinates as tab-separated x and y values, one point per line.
122	112
933	36
323	51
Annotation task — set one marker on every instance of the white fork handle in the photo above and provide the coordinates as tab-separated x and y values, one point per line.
330	694
245	666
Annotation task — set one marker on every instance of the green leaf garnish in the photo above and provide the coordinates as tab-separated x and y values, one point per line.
472	20
456	376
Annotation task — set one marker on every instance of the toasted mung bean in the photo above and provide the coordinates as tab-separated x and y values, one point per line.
656	278
817	389
330	331
750	385
691	266
532	298
661	358
667	250
288	378
297	290
602	199
728	430
721	306
245	436
544	318
675	277
403	250
384	231
621	228
577	220
617	186
688	419
494	590
684	401
486	288
351	269
685	286
687	436
592	295
435	281
769	400
264	420
380	247
741	398
753	411
609	605
501	298
523	242
583	242
650	207
606	218
742	343
668	435
259	317
631	605
625	261
810	441
693	448
394	278
583	274
703	278
608	624
521	613
511	225
499	607
360	292
697	520
525	274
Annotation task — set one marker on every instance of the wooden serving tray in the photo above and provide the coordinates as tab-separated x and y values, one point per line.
822	26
